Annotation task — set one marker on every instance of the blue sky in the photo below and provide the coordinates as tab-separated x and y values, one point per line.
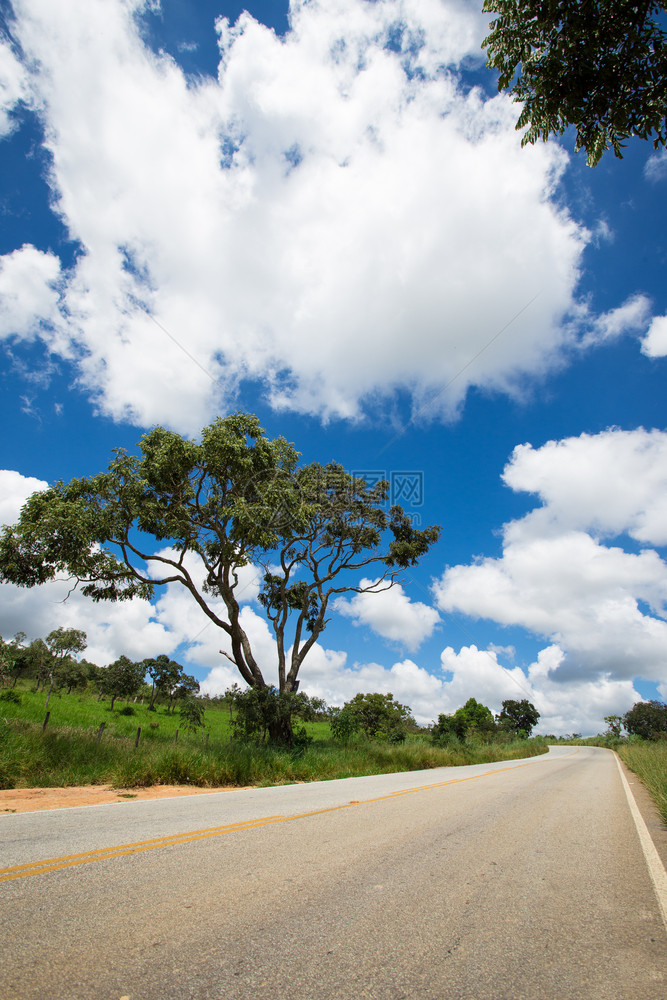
324	216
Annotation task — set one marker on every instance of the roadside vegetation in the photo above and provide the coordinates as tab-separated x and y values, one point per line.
223	742
649	762
65	721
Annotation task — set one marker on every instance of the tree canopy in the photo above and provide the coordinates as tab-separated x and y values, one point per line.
647	719
233	499
63	644
597	65
122	678
167	677
473	717
518	717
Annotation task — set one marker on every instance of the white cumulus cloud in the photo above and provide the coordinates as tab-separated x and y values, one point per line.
335	217
14	491
391	614
607	483
656	166
578	706
12	87
604	606
633	316
654	344
28	292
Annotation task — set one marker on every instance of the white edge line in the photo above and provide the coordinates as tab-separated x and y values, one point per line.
655	865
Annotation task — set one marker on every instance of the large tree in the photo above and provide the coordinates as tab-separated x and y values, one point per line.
122	678
233	499
38	662
647	719
518	717
165	675
598	65
63	645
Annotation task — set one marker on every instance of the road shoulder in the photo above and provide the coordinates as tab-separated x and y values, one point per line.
649	811
18	800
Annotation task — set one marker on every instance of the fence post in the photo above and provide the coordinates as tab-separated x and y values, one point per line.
101	730
136	742
46	721
176	737
207	736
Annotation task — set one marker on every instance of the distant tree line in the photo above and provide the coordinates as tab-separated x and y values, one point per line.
52	664
516	719
55	663
371	716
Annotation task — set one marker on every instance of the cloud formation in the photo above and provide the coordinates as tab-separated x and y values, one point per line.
14	491
654	344
28	293
336	195
656	166
603	605
12	87
579	706
607	483
633	316
391	614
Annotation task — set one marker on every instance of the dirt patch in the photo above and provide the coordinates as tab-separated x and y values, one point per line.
14	800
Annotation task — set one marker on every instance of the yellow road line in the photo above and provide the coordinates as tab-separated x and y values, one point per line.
33	867
122	850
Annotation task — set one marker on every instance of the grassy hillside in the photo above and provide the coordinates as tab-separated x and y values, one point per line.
68	751
84	711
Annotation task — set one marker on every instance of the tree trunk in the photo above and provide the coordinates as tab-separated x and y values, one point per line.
46	704
281	732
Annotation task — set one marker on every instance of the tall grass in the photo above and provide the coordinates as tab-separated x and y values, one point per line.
67	756
649	762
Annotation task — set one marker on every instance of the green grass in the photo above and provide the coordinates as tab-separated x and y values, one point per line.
649	762
84	711
68	752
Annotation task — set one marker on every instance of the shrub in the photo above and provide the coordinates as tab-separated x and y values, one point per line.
191	714
473	720
378	716
12	696
343	724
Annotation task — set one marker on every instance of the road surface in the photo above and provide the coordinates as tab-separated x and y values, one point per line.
516	881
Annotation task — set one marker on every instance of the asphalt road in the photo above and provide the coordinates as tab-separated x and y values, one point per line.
515	881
